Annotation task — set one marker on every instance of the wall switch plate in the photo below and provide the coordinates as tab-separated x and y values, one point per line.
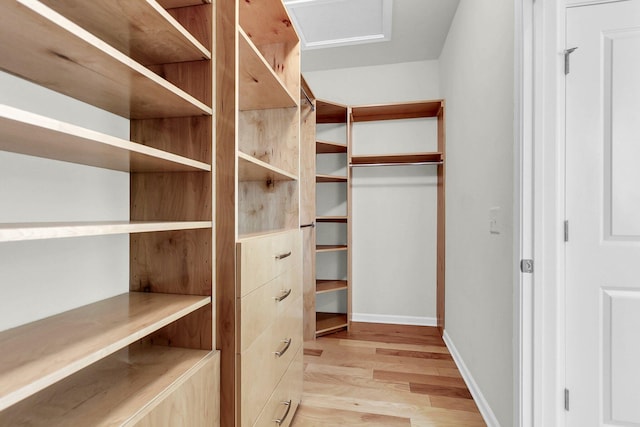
495	225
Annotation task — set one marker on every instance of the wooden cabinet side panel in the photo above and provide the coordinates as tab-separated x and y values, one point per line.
195	403
307	164
309	282
441	218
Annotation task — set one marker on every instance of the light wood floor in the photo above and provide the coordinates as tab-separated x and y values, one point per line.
383	375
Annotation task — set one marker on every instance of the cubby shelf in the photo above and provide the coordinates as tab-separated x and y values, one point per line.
330	112
330	178
324	286
15	232
330	248
252	169
339	219
143	30
113	391
327	147
35	135
46	351
87	68
330	322
260	87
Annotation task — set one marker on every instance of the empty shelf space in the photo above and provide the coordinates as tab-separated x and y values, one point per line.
260	87
252	169
341	219
330	322
46	351
143	30
330	112
111	391
391	159
324	286
330	178
15	232
68	59
326	147
31	134
405	110
331	248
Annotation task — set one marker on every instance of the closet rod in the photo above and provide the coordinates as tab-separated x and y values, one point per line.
357	165
304	92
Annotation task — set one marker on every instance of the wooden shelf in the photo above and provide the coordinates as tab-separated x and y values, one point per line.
324	286
326	147
252	169
61	56
330	322
391	159
330	112
46	351
170	4
111	391
142	30
260	87
15	232
34	135
330	178
267	22
341	219
331	248
405	110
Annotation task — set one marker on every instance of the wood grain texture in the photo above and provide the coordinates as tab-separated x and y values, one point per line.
330	112
395	111
35	135
127	386
48	350
329	322
308	282
271	136
70	60
348	381
266	22
252	169
307	163
142	30
267	206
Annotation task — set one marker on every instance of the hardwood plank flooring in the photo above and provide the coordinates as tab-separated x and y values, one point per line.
383	375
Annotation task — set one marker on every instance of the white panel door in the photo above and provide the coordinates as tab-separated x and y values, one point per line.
603	209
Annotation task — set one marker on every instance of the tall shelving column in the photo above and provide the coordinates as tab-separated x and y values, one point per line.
129	359
333	235
258	238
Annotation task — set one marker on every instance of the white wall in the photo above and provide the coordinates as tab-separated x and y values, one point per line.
393	217
41	278
476	74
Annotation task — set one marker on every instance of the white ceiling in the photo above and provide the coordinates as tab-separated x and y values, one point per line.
418	31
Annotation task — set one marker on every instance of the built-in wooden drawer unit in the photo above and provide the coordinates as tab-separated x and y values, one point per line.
271	301
266	359
262	258
282	404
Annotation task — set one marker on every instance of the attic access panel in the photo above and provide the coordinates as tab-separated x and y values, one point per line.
332	23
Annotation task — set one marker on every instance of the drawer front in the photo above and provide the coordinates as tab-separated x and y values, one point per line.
261	308
261	368
286	397
261	259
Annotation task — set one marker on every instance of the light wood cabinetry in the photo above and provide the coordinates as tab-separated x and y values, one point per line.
332	119
259	292
134	358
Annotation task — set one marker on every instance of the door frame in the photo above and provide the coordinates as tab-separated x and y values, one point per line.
539	172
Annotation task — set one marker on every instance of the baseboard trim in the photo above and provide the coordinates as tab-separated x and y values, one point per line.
483	405
394	320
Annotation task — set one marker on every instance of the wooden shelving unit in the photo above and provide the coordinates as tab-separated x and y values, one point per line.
257	205
395	111
333	115
391	159
140	353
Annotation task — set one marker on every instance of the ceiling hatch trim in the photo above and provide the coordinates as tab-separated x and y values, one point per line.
333	23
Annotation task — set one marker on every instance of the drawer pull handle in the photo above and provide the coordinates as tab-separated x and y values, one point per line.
283	256
287	343
286	413
283	295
